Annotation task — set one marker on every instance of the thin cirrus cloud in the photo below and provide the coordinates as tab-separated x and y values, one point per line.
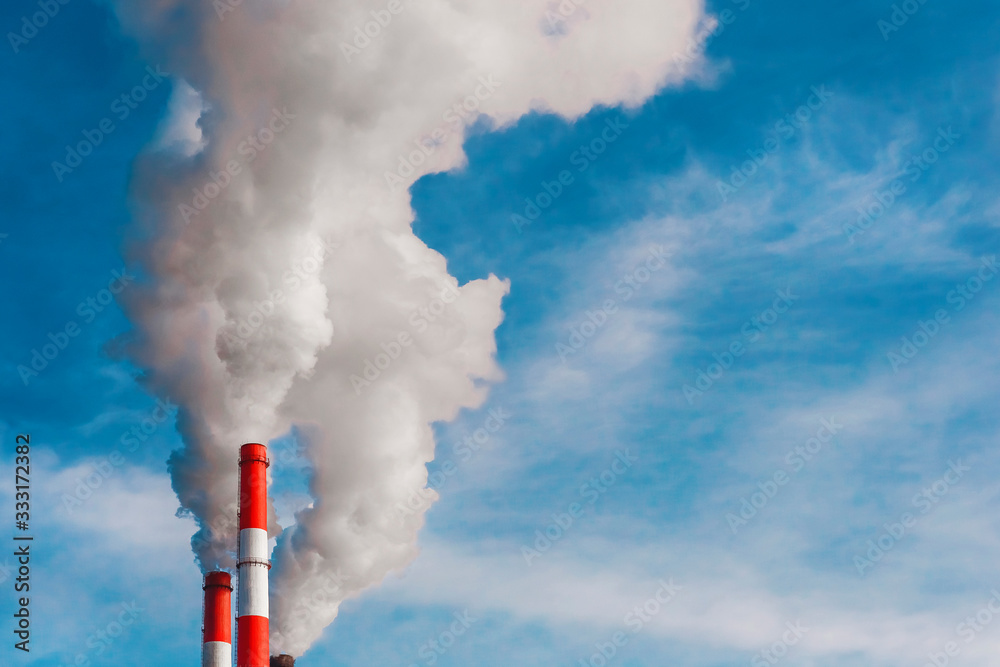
828	359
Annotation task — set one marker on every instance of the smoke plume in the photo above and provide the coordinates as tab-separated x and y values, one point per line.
284	285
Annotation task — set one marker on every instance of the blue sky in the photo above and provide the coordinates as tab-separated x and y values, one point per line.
673	514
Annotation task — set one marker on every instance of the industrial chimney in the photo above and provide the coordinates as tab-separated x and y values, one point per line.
217	628
283	660
252	615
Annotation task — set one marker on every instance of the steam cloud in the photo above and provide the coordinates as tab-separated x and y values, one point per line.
274	233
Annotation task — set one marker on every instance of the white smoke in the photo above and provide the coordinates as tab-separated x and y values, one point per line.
279	266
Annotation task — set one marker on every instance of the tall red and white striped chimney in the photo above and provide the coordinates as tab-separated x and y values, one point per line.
217	628
252	614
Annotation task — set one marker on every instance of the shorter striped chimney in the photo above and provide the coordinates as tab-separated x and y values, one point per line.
217	628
